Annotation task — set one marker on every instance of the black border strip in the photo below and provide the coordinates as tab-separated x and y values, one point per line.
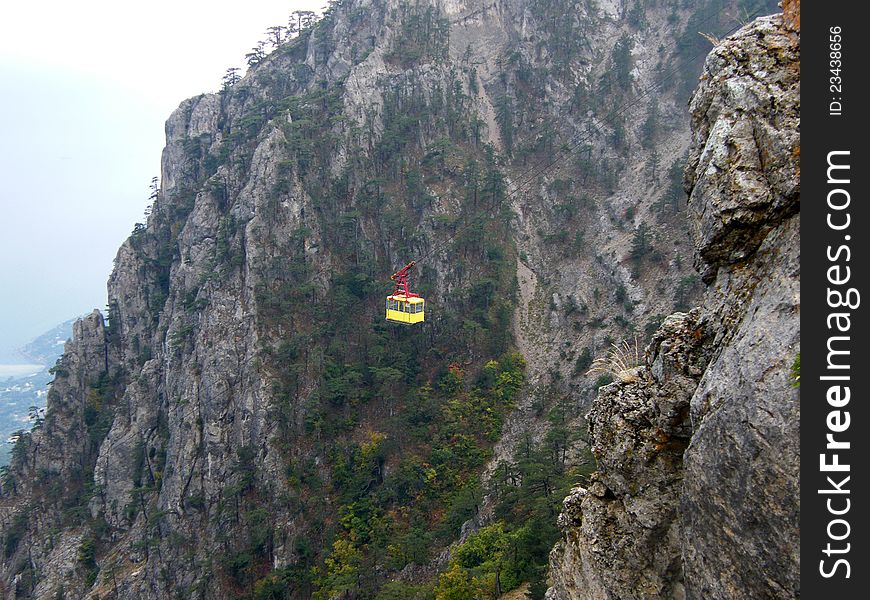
834	131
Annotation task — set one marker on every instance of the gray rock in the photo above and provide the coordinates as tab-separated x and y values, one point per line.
622	531
696	494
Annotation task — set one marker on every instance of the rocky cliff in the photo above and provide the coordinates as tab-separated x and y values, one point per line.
244	424
696	493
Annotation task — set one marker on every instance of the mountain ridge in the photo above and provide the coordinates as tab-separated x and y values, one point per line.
243	422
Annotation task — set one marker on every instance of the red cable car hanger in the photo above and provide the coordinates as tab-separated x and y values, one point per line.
401	279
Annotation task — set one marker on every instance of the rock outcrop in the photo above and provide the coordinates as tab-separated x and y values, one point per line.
622	529
740	507
696	495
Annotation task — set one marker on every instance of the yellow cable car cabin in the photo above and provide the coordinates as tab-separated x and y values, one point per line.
404	306
402	309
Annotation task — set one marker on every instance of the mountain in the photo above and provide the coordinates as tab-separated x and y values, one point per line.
20	394
696	493
244	423
47	348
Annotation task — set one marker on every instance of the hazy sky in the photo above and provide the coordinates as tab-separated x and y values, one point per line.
85	88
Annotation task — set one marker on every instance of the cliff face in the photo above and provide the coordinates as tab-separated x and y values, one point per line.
244	424
696	495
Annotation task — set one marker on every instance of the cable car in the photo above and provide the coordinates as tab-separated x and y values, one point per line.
404	306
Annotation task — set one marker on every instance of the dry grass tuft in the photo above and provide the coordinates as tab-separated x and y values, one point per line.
621	361
710	38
